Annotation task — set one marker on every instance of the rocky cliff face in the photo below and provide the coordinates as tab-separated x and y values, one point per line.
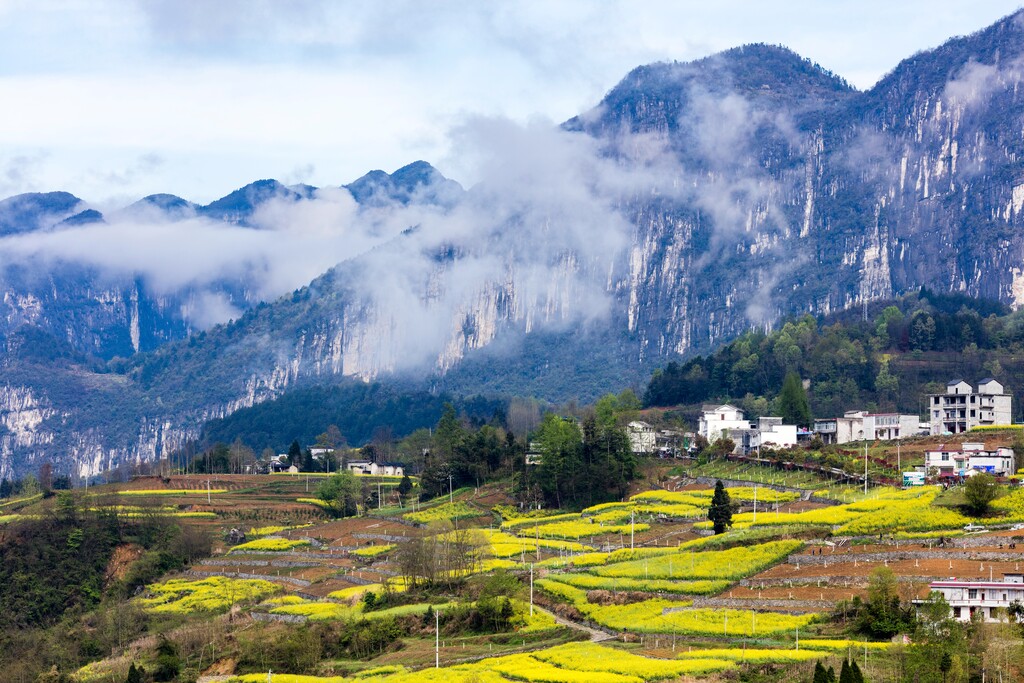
711	197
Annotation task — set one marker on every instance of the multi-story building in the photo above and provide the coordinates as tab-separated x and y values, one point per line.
962	408
858	425
988	600
958	461
771	433
642	437
717	421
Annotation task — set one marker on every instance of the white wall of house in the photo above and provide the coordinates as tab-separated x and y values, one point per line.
716	421
961	408
642	437
988	599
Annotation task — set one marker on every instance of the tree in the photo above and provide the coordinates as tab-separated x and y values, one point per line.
342	492
981	489
792	401
561	443
135	674
823	675
945	664
846	673
332	438
720	512
405	486
168	664
887	385
294	453
46	478
882	615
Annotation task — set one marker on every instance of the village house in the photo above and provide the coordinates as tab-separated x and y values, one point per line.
726	421
858	425
988	600
365	467
642	437
961	408
717	421
965	459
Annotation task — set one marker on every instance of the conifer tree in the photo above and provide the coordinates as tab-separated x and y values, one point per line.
720	512
792	402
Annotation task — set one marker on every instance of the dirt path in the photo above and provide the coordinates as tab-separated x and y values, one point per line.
596	635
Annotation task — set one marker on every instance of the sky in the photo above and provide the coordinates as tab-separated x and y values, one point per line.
116	99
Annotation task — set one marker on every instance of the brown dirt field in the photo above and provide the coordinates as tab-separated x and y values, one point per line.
794	593
123	558
939	569
339	532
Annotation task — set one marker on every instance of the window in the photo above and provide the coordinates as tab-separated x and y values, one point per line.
945	457
972	413
972	593
956	612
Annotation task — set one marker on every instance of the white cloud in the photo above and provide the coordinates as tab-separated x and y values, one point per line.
226	92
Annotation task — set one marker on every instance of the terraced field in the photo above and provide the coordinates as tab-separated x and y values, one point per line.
644	573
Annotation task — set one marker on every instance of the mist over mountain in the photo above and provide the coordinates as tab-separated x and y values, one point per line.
696	201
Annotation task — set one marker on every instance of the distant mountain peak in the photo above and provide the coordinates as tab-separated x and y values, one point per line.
87	217
661	95
35	211
418	181
239	206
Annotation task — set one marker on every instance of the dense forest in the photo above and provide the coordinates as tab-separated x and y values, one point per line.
60	601
903	350
357	408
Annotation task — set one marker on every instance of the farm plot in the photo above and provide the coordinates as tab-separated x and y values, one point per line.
211	594
719	565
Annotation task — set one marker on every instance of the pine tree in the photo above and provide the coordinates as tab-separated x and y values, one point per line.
820	675
295	453
846	673
720	512
135	674
856	675
405	486
792	401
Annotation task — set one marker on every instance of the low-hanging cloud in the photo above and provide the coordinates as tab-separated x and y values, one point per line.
538	242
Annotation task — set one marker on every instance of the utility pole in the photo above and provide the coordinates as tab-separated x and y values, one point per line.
451	498
631	529
865	467
208	501
755	503
437	640
531	589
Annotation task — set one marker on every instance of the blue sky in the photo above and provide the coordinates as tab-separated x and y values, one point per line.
113	100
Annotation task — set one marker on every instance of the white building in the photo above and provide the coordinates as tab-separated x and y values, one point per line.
988	599
962	408
373	469
642	437
771	433
858	425
960	461
717	421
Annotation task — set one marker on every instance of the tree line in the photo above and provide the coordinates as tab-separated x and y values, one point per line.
908	347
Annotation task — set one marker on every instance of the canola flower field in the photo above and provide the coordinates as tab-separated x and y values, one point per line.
212	594
577	662
263	545
443	512
658	579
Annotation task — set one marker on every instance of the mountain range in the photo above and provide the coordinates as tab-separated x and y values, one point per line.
695	201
